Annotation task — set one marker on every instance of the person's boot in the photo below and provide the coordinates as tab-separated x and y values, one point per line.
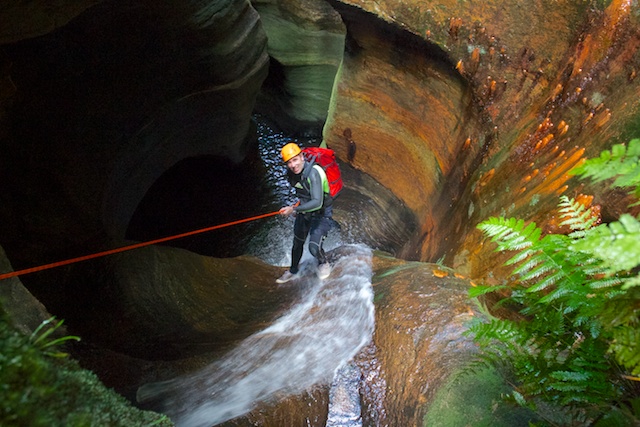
287	276
324	270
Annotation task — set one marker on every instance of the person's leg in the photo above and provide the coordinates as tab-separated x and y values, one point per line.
320	227
300	231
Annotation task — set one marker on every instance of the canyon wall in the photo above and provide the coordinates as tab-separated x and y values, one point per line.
484	109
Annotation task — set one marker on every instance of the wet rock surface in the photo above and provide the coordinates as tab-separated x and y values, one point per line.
421	315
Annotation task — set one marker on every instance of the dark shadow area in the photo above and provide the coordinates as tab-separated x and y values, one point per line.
204	192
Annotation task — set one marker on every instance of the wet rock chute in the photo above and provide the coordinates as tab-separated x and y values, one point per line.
332	321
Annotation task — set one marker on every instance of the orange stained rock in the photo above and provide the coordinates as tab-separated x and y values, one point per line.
492	87
547	169
557	90
440	273
532	175
454	27
556	175
485	178
588	118
543	142
584	199
603	118
475	56
546	124
563	129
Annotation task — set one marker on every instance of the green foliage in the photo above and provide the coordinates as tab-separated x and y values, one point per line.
621	162
43	338
578	347
616	244
38	390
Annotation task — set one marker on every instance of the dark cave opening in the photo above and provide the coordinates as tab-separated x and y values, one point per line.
202	192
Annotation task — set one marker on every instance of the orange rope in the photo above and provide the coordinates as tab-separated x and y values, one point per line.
129	247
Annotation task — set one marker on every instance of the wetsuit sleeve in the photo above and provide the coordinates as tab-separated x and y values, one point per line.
317	195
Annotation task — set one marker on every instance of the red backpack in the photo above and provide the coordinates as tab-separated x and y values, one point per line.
326	158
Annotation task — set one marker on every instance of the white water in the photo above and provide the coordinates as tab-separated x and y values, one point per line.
303	348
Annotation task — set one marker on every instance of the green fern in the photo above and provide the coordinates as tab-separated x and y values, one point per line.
621	162
616	244
577	217
559	354
579	293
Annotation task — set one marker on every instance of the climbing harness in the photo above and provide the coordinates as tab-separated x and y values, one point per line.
130	247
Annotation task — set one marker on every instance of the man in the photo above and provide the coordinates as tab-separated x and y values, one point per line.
313	213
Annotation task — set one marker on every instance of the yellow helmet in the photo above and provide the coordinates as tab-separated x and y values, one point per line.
289	151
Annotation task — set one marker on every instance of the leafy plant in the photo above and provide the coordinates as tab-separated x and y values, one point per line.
578	345
37	390
43	337
621	163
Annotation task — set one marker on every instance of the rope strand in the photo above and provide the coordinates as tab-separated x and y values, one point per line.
130	247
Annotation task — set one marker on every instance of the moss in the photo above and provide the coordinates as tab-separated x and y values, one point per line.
474	400
38	390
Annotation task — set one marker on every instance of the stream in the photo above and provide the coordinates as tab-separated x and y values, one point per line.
305	347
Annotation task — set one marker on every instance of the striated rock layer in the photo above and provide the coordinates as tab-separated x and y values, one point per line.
509	97
305	43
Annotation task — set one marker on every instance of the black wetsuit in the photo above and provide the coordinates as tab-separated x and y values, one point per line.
313	215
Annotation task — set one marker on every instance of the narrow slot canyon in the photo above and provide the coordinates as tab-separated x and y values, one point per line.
128	121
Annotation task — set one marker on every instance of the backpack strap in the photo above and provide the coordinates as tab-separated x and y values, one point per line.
323	177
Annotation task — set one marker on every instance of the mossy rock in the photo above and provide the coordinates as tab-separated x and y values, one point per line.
39	390
475	400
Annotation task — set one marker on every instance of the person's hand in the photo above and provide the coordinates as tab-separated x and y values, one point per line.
286	211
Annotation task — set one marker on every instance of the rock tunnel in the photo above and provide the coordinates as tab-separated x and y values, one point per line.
115	117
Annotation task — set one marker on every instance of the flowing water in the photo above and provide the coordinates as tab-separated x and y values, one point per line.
303	348
310	345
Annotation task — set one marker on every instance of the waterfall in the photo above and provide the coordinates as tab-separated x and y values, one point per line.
332	322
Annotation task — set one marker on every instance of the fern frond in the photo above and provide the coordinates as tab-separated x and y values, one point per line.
555	294
631	282
576	215
533	262
610	164
539	271
605	282
481	290
520	256
626	348
510	234
622	163
615	243
504	331
550	280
